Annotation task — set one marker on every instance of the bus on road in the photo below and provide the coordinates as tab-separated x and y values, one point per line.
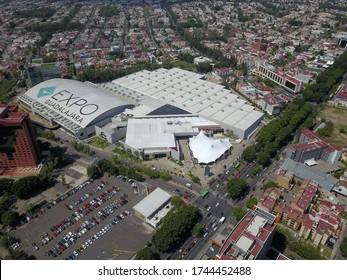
237	165
204	193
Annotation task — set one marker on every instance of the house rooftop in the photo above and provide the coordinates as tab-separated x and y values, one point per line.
248	237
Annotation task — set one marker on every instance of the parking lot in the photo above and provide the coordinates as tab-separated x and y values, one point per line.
92	221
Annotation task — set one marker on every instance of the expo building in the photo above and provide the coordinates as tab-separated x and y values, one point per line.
77	107
189	91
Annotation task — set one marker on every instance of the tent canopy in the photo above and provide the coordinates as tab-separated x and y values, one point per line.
207	150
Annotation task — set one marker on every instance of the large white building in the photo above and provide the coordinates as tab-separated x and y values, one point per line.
74	105
153	133
189	91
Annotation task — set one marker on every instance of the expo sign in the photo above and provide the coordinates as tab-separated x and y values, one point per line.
67	103
68	99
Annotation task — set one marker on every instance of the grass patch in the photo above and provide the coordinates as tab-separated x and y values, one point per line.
184	65
99	142
48	65
326	252
37	61
338	142
5	87
121	155
338	116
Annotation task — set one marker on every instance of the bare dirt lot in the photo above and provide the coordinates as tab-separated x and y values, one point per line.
338	116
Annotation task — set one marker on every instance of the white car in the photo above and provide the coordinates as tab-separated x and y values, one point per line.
217	204
209	208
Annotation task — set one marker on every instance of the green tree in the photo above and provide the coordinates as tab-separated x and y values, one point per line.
263	158
6	203
236	187
6	185
186	57
251	202
177	202
327	130
146	254
198	230
151	173
27	187
108	11
93	172
176	227
270	184
238	212
255	171
165	176
204	67
249	154
85	149
105	165
10	218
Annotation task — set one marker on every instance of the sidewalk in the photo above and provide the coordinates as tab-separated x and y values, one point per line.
336	253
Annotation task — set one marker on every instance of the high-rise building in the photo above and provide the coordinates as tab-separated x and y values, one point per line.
18	145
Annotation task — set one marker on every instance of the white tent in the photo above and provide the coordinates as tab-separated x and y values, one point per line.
207	150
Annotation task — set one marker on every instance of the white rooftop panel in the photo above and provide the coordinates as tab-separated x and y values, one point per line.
247	108
249	119
135	85
223	113
256	224
201	106
182	98
244	243
209	111
235	117
237	103
151	203
193	100
206	149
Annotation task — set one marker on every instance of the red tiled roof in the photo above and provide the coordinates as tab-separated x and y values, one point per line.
228	248
324	227
307	222
314	136
292	79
